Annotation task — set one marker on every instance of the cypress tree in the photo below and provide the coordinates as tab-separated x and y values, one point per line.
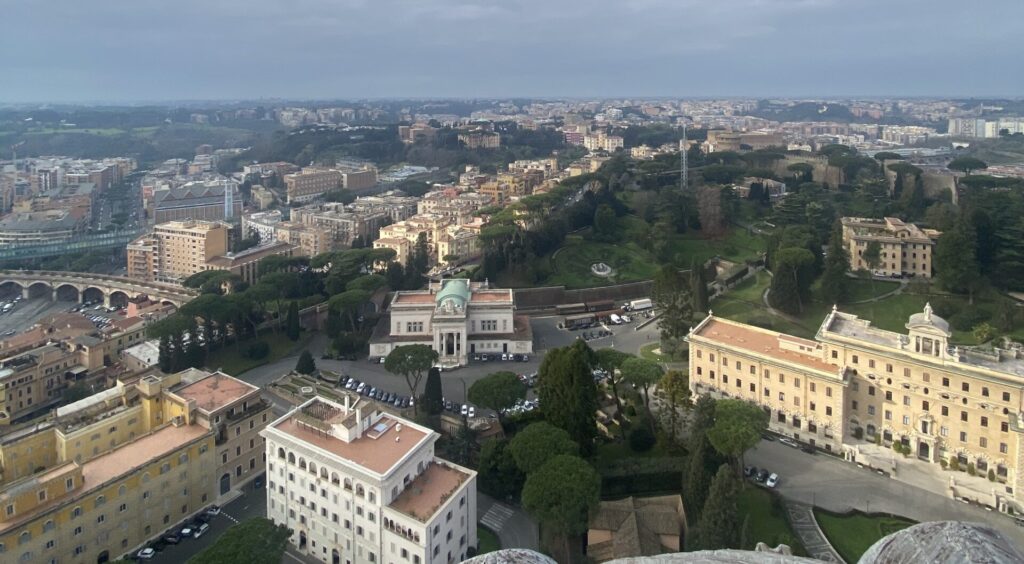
719	525
700	287
292	325
433	394
835	285
696	479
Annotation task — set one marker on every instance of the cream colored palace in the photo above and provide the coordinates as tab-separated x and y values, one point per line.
456	317
854	382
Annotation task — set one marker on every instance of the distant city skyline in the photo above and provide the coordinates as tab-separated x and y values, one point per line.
66	51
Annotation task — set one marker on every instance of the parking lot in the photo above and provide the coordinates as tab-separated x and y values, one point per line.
26	313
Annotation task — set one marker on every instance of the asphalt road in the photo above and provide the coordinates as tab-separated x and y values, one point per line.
831	483
252	503
27	312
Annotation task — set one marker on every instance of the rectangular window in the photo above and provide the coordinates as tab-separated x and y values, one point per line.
965	386
871	410
963	437
1006	396
983	442
828	411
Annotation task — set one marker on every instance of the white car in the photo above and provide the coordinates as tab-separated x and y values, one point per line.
465	410
146	554
472	412
772	480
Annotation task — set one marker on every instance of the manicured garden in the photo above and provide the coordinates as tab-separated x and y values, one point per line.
570	265
853	533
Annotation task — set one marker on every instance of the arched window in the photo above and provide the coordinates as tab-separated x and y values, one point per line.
348	484
335	479
145	478
373	497
24	537
100	501
121	490
312	468
280	453
48	526
291	458
302	463
359	490
323	473
26	557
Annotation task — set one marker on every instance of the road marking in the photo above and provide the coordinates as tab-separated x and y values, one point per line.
229	517
496	516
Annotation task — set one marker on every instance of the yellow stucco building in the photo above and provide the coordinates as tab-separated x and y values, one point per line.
855	384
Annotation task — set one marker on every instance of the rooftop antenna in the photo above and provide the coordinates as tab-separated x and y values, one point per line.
682	161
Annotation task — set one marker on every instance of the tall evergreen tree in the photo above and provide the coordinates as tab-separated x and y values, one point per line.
671	294
835	285
719	524
791	279
306	364
696	478
955	259
433	394
568	392
291	328
699	291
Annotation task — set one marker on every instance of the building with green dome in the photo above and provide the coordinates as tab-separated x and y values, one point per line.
458	318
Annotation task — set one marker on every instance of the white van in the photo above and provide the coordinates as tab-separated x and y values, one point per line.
200	531
615	319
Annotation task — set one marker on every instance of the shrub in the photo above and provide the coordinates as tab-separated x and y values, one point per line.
878	439
954	464
971	469
858	433
968	317
944	463
641	439
631	410
991	475
257	350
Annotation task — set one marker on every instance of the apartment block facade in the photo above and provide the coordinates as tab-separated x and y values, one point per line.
176	250
855	384
311	183
905	248
106	474
357	485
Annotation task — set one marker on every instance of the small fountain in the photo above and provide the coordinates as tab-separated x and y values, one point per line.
601	269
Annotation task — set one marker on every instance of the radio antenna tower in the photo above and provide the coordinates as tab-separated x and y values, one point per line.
682	162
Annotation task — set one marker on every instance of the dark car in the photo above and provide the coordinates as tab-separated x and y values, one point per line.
749	471
767	437
762	476
172	538
809	449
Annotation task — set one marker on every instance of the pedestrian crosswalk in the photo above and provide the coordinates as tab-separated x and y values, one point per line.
233	520
496	516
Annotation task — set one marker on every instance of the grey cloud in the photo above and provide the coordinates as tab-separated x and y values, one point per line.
66	50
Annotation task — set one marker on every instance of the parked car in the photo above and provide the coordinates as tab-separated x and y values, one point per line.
146	554
187	532
213	510
772	480
464	410
526	358
750	471
809	449
767	437
761	476
201	530
172	538
789	442
472	411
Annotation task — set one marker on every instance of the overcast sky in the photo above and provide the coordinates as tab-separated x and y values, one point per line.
133	50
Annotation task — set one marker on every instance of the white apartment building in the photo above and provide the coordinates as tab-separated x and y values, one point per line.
357	485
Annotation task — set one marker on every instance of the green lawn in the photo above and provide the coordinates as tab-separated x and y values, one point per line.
851	535
737	245
648	351
488	540
765	523
231	359
866	289
571	265
613	451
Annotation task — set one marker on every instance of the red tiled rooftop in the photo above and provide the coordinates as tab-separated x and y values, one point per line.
760	342
215	391
414	298
424	495
378	455
491	296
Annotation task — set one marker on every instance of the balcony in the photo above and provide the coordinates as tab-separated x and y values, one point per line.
251	410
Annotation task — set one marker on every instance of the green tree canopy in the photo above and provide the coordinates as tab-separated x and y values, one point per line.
674	389
292	327
568	392
967	165
791	279
835	285
561	495
719	525
498	391
499	475
738	427
956	260
253	541
643	374
887	156
306	364
433	392
538	443
411	362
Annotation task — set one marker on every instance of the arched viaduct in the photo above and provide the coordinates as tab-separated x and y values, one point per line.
81	287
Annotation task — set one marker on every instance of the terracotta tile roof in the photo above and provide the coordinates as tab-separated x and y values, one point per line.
378	455
424	495
216	391
760	342
491	296
414	298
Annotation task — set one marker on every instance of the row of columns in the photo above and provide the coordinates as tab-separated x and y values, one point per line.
450	344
